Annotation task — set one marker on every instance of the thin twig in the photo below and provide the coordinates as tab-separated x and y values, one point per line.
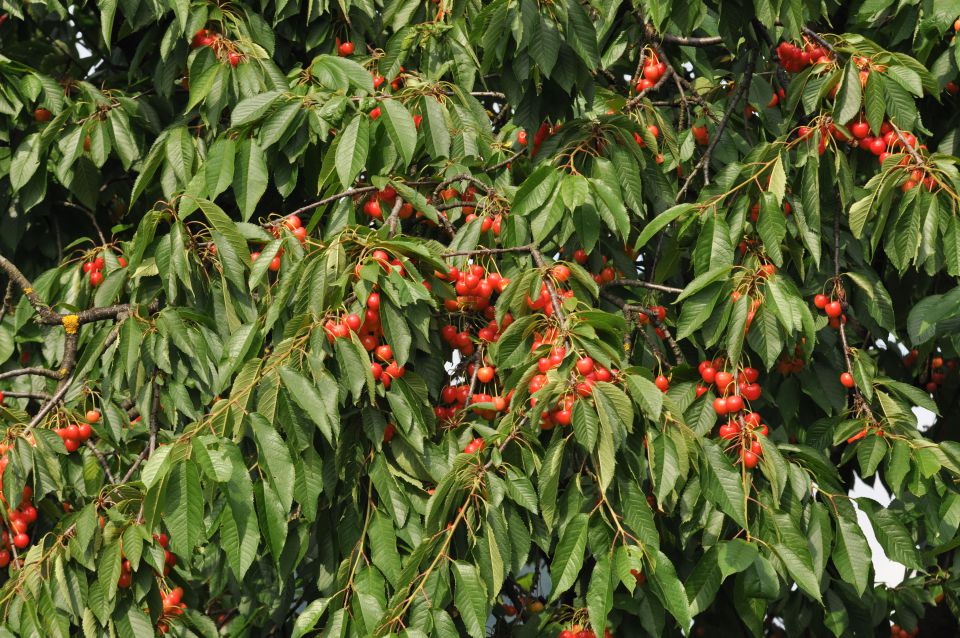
554	298
13	394
102	460
691	41
500	165
488	251
91	216
645	284
734	101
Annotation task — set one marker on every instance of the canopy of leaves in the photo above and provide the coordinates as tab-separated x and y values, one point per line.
383	317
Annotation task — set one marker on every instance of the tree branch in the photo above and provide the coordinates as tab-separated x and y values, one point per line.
39	372
24	284
91	216
554	298
690	41
394	216
645	284
102	460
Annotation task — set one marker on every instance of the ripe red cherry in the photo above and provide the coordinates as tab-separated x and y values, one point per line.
708	374
723	380
585	365
485	374
384	352
751	391
21	540
372	208
377	370
566	633
275	264
729	430
560	272
750	459
720	406
353	321
341	330
4	558
734	403
234	58
662	383
93	416
346	49
580	256
820	301
846	380
84	431
860	129
373	303
96	278
833	309
42	115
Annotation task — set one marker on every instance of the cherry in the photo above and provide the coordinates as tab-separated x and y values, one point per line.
346	49
580	256
560	272
372	208
84	431
42	115
846	380
375	113
353	321
377	370
274	264
723	380
21	540
750	459
708	374
485	374
96	278
720	406
729	430
233	58
384	352
833	309
700	135
662	383
734	403
388	432
373	303
936	362
4	558
820	301
585	365
860	129
522	137
341	330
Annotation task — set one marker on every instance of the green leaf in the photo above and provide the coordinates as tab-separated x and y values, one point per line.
667	587
581	35
568	556
253	108
183	511
892	535
660	222
249	176
309	617
352	149
274	458
400	128
851	554
470	597
849	95
600	593
722	484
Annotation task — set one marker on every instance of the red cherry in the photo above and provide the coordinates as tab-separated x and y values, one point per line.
662	383
585	365
84	431
560	272
720	406
346	49
723	380
708	374
42	115
750	459
846	380
734	403
384	353
96	278
833	309
860	129
275	264
820	301
233	58
353	321
485	374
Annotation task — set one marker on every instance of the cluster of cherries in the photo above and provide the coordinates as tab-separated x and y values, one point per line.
474	287
787	364
294	224
475	445
172	607
384	368
388	196
222	47
712	373
20	518
588	374
543	300
832	308
653	70
575	631
794	59
938	370
76	434
169	562
896	631
94	268
544	132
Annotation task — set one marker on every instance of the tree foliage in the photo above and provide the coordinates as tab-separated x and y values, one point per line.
383	317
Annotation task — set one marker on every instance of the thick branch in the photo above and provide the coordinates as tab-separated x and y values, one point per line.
691	41
39	372
394	216
13	394
24	284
